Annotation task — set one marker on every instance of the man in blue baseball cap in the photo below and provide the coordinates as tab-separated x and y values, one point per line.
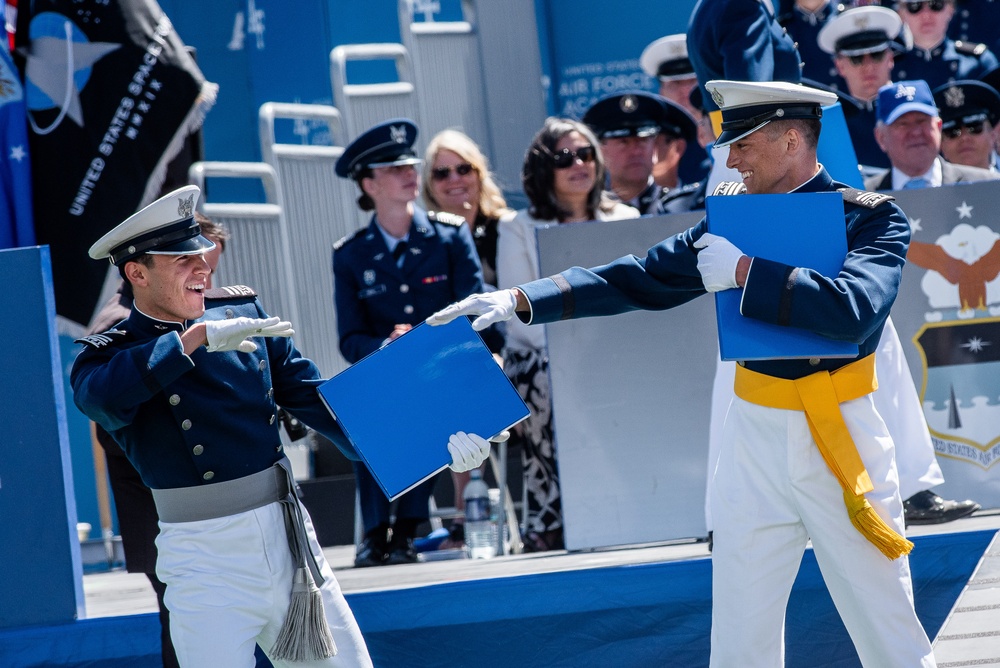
908	129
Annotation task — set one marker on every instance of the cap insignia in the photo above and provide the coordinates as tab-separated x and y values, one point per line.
861	22
398	133
909	92
369	276
628	104
717	98
185	206
954	97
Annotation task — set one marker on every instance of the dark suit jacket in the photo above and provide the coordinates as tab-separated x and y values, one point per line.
950	173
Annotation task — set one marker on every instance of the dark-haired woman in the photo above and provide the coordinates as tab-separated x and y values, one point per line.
563	177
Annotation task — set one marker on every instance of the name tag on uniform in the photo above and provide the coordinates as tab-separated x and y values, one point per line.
371	292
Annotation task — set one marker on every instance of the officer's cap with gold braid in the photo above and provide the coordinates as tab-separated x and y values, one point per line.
747	106
165	227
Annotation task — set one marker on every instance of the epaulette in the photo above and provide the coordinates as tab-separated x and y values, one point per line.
103	339
970	48
730	188
446	218
350	237
230	291
865	198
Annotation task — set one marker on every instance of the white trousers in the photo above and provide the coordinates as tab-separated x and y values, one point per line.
229	581
773	492
896	401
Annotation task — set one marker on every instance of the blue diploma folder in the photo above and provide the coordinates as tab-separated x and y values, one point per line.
798	229
399	405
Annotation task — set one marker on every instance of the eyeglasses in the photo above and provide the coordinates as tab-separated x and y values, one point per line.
971	128
567	158
876	57
933	5
442	173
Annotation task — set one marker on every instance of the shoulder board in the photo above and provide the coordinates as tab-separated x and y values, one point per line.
229	292
970	48
729	188
865	198
682	191
350	237
446	218
103	339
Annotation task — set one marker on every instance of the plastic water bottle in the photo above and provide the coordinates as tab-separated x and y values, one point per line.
478	530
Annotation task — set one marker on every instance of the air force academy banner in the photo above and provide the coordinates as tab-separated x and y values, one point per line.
948	317
112	95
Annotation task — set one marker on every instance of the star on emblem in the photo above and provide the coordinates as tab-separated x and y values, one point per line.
54	64
975	344
915	225
17	153
964	211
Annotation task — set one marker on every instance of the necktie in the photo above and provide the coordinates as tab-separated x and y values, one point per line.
919	182
398	251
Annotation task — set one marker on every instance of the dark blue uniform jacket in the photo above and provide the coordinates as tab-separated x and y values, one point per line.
199	419
851	306
373	295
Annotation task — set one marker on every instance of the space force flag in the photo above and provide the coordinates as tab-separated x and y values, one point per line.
112	95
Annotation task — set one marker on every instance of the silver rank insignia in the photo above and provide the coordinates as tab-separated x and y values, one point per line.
369	276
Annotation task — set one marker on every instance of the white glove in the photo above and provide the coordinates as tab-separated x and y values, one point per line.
233	334
467	451
491	307
717	262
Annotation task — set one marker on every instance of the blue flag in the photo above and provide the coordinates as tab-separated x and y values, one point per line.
16	226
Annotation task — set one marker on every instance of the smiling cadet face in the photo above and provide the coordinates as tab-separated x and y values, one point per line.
170	287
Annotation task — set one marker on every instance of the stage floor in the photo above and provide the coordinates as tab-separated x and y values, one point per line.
969	636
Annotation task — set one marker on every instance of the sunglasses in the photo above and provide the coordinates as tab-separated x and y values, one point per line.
442	173
971	128
876	57
567	158
933	5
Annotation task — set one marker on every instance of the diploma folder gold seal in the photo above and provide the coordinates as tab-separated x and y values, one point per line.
399	405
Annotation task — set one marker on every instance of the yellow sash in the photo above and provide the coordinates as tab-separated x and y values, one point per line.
819	395
716	118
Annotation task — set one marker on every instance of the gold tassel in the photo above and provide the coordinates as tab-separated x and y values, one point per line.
873	527
305	635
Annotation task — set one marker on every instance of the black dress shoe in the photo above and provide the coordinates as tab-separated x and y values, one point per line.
370	553
401	552
926	507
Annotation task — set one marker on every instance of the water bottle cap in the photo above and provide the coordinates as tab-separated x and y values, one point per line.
476	474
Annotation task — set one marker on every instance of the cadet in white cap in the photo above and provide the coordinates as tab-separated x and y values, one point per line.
774	489
189	386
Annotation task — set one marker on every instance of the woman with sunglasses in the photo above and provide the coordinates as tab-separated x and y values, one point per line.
388	277
969	112
457	180
563	177
935	57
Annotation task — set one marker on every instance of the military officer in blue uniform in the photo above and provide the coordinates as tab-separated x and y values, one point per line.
969	113
804	21
862	43
666	59
977	21
189	385
774	490
628	125
388	277
935	57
